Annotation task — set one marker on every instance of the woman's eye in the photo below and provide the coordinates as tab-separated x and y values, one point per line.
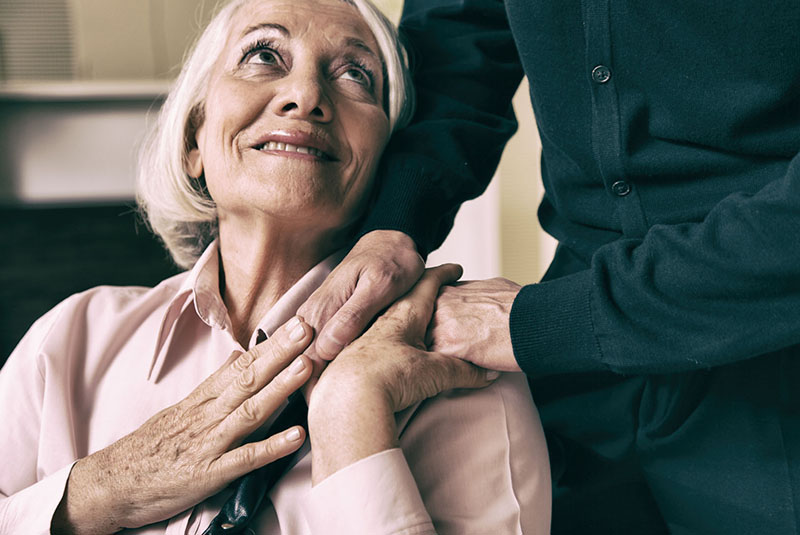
357	75
262	57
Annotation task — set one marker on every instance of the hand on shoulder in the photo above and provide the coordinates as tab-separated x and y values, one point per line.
387	369
471	323
382	266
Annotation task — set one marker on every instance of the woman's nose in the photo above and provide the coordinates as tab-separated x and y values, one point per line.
302	95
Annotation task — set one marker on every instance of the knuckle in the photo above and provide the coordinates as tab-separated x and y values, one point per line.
270	448
412	258
256	352
244	360
246	380
248	412
247	456
350	314
386	275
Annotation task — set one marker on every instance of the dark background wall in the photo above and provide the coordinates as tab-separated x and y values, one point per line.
50	252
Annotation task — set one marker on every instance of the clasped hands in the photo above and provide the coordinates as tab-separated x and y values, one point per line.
470	320
193	449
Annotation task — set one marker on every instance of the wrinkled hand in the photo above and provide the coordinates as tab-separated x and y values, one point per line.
471	323
387	369
382	266
191	450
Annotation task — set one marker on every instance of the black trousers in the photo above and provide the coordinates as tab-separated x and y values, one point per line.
714	451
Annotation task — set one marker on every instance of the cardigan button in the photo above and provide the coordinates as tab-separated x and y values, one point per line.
601	74
620	188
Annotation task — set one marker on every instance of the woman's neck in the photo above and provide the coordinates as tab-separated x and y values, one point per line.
259	263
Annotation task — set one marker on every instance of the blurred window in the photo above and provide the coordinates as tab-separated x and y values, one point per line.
35	40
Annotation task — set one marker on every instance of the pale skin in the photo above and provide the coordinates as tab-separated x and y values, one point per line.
470	321
386	370
307	73
190	450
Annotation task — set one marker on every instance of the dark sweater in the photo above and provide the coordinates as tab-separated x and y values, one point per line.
670	134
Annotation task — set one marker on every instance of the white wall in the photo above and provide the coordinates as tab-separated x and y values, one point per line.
70	150
474	241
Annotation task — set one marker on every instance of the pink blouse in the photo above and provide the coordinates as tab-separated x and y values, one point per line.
102	362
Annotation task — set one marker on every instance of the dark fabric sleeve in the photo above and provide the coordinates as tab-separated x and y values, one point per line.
466	69
686	296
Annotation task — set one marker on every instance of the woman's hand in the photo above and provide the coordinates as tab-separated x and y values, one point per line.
387	369
191	450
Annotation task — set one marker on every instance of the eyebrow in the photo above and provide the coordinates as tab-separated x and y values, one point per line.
350	41
361	45
267	26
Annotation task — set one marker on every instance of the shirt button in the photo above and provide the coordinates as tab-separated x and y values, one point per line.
601	74
621	188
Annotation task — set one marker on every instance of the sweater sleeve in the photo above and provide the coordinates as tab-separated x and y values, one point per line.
466	69
685	296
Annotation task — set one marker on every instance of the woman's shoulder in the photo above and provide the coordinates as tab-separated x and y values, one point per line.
125	298
98	311
503	411
482	454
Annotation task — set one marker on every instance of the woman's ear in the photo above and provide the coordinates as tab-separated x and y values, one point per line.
194	163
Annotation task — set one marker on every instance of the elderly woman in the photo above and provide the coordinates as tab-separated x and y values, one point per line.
136	408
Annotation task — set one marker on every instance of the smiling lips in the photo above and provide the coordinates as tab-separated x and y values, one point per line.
275	146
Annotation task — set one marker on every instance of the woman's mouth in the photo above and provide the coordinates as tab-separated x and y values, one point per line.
276	146
297	144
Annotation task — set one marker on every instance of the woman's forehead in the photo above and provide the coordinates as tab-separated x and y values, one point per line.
333	17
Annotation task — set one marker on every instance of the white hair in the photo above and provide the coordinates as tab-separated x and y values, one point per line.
177	207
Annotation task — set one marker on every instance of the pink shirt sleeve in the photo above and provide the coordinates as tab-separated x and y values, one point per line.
480	460
472	462
374	496
28	498
31	510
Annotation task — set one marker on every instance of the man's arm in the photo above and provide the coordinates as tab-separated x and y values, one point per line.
466	69
685	296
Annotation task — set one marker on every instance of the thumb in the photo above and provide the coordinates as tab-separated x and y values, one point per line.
350	320
462	374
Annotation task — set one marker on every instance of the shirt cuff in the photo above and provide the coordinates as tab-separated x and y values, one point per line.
374	496
31	510
552	329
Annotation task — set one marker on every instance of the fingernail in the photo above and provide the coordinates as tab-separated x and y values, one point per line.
293	435
491	375
297	366
296	331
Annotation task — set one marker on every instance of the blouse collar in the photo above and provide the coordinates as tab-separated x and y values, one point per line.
199	294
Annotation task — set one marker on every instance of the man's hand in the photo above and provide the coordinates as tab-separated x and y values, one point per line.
382	266
471	323
387	369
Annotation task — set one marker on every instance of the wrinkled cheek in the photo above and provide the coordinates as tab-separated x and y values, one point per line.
361	193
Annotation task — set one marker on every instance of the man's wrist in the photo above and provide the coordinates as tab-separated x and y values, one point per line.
396	237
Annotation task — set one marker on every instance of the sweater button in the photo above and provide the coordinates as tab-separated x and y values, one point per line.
620	188
601	74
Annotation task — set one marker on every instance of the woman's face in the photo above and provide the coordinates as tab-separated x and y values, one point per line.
293	122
